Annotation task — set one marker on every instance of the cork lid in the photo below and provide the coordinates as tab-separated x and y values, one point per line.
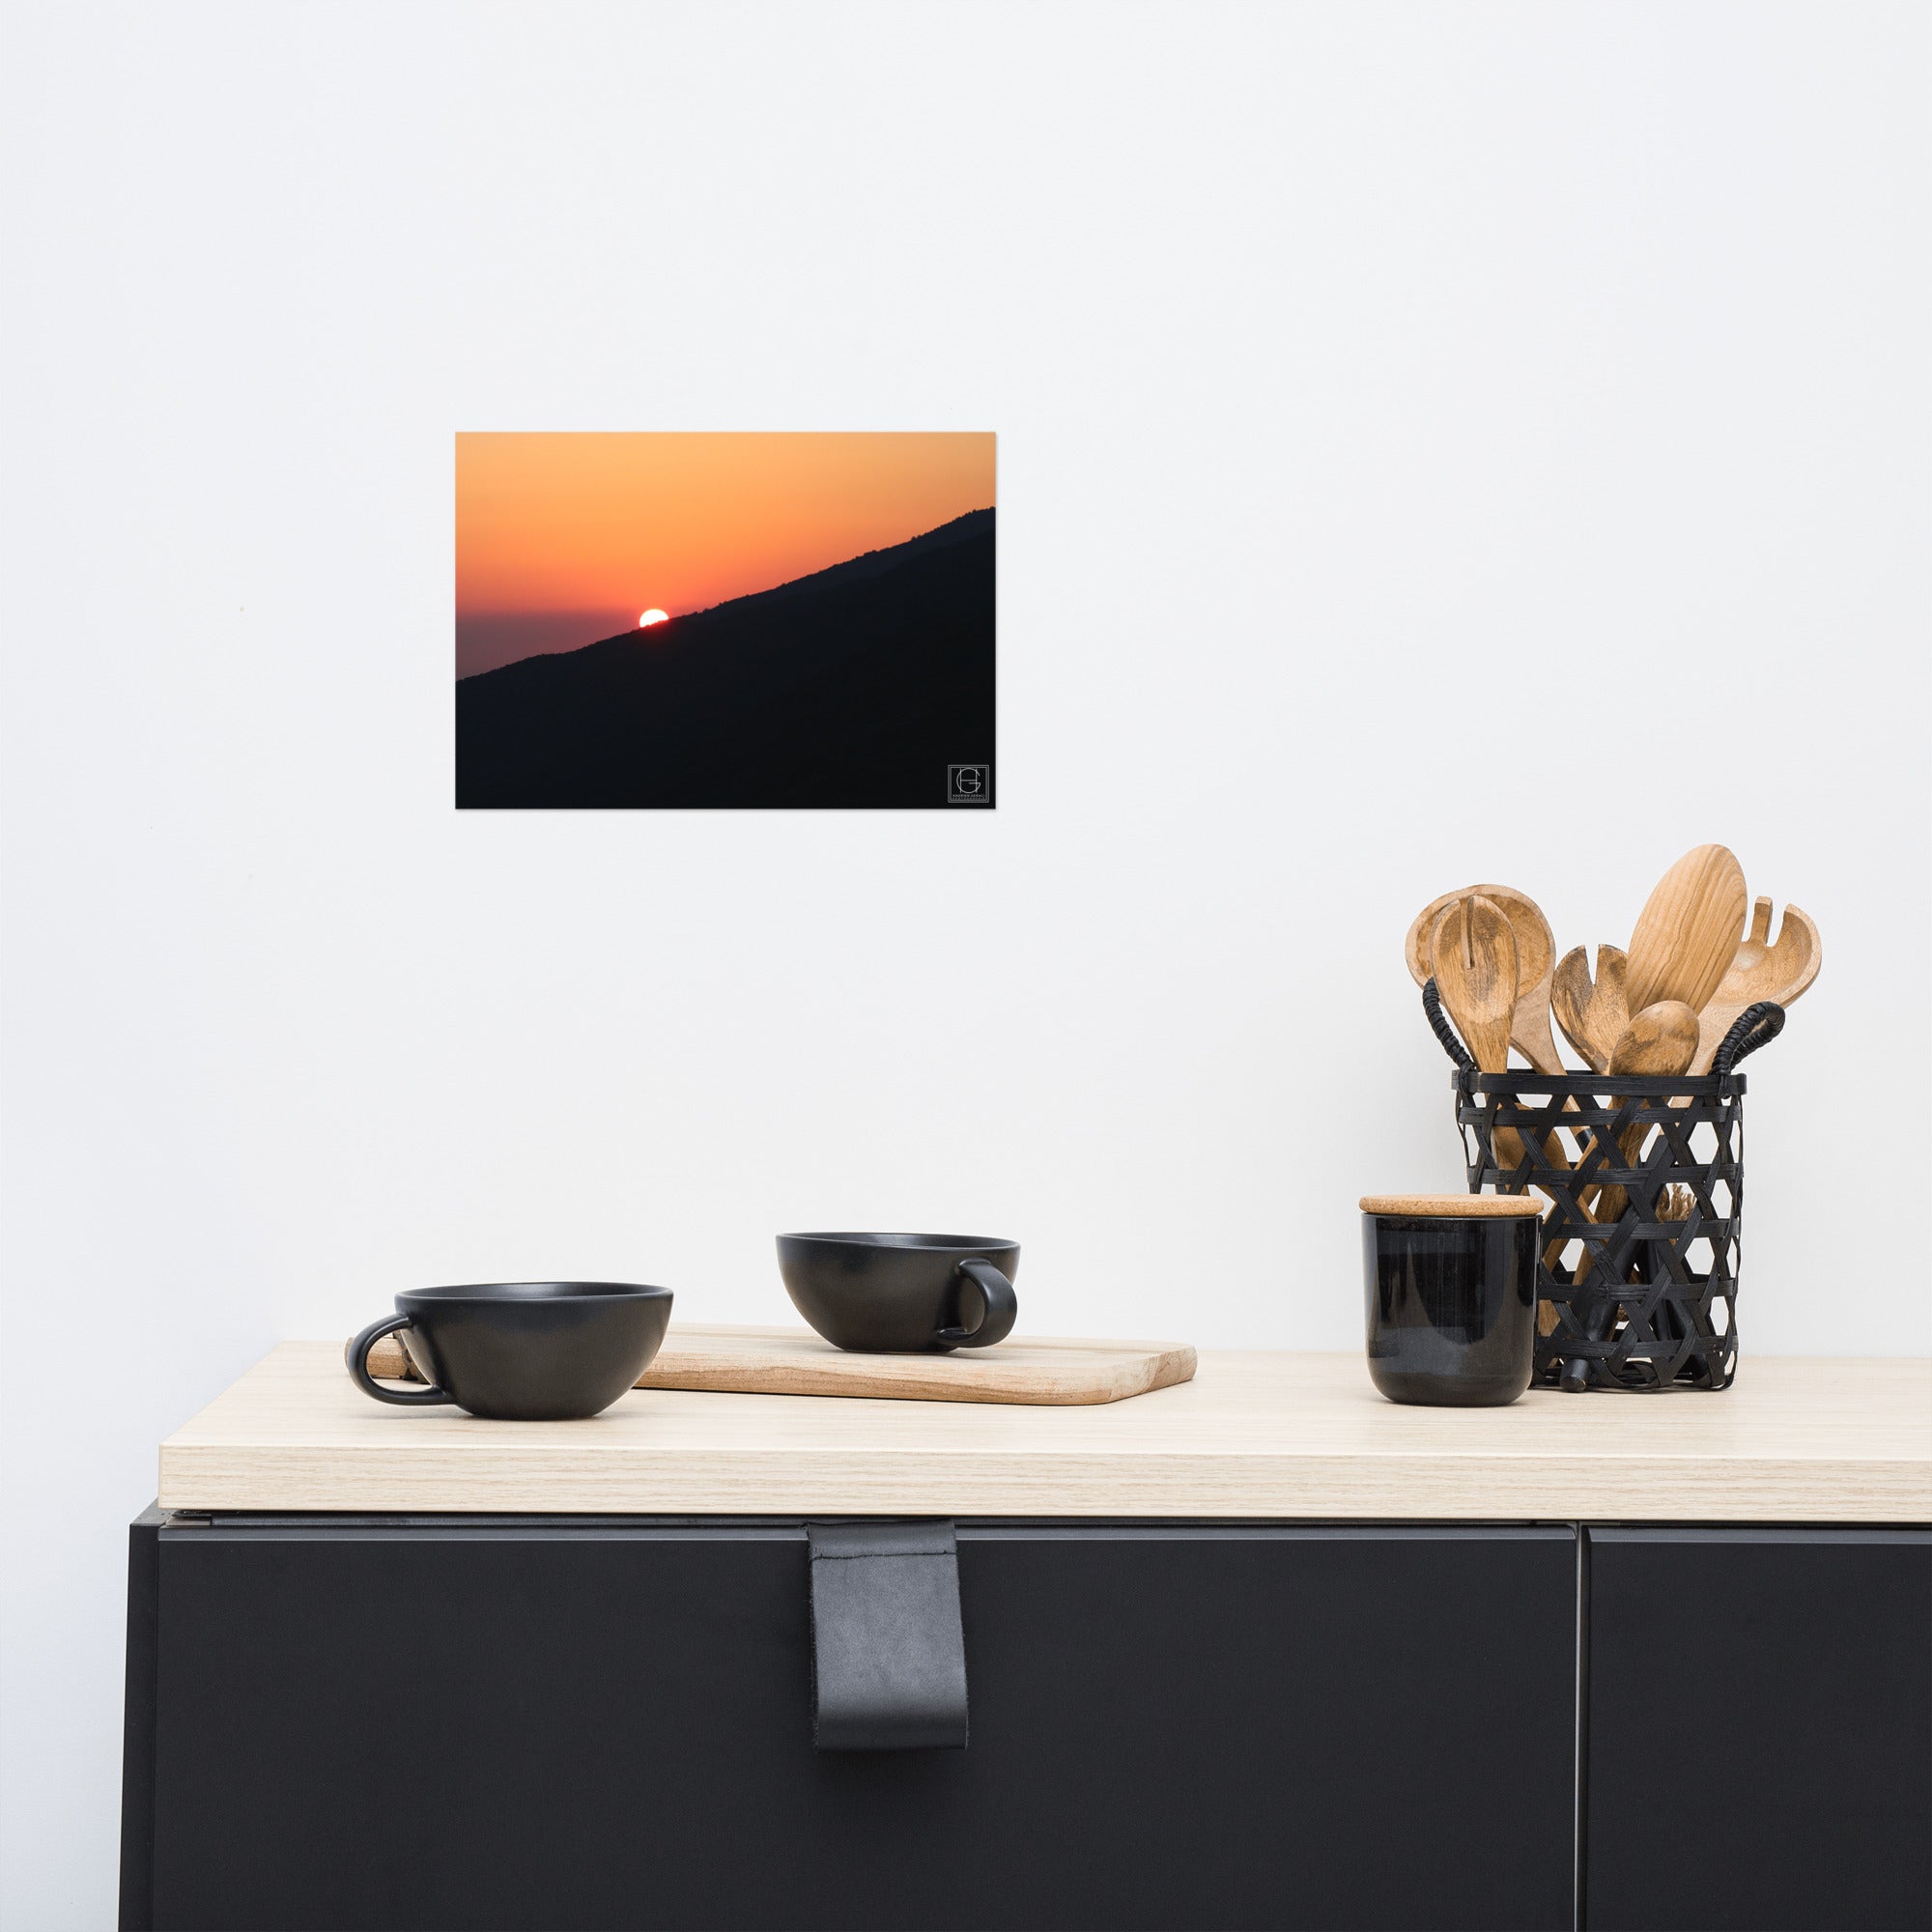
1462	1207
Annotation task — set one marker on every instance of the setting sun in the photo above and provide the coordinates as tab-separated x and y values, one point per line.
651	618
557	533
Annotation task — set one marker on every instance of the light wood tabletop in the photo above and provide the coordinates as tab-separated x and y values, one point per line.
1253	1434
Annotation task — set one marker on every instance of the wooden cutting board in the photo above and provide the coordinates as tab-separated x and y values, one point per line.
794	1362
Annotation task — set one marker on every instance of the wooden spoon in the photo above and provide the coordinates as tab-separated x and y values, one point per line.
1535	958
1658	1043
1687	933
1759	970
1661	1042
1593	1017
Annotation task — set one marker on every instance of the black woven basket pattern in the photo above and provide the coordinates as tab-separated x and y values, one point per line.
1654	1306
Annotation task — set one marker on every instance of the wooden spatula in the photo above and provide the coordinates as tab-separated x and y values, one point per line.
1687	933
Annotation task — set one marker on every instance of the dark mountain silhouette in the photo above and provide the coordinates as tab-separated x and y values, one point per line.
856	686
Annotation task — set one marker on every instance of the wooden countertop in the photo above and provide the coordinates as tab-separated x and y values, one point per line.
1252	1435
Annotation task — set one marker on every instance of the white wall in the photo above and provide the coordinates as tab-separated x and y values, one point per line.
1434	444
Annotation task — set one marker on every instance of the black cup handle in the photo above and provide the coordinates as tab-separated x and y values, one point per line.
356	1355
1002	1308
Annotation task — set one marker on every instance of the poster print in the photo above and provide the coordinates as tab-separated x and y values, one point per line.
695	619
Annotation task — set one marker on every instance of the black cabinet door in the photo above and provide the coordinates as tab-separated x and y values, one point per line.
562	1723
1760	1729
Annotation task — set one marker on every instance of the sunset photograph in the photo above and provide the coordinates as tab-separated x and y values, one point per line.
668	620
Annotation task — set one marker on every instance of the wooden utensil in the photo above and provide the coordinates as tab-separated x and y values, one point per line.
1659	1043
1535	959
1529	1015
1593	1016
1472	950
1472	954
1759	970
1687	932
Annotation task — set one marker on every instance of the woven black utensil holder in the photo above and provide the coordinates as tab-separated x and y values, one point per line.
1630	1304
1640	1302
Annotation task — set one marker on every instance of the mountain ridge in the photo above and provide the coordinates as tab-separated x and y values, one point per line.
862	684
868	563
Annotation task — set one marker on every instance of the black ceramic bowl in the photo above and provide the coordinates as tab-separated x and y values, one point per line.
902	1295
521	1351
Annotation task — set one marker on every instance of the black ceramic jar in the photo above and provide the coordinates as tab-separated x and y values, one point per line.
1450	1285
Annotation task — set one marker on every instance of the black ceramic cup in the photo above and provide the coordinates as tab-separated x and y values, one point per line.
1450	1282
902	1295
520	1351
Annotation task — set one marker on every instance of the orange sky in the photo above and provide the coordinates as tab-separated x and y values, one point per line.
681	521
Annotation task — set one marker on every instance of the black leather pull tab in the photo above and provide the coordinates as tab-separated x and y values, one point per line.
889	1657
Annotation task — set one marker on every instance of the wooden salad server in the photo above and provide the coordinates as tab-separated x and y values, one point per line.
1473	959
1535	960
1592	1016
1687	932
1759	970
1471	949
1473	956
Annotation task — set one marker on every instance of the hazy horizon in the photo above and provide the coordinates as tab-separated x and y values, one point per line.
486	639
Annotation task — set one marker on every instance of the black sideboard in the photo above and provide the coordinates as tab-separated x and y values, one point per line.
579	1722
